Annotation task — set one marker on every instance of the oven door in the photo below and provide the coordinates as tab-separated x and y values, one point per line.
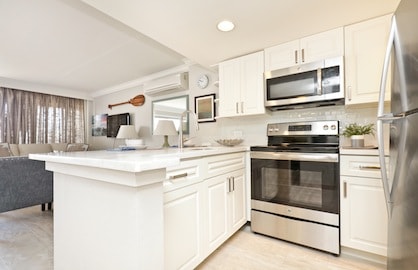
305	180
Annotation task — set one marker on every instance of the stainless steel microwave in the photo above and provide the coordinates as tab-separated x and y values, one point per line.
312	84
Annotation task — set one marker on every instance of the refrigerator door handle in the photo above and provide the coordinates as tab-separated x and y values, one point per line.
382	117
385	178
381	104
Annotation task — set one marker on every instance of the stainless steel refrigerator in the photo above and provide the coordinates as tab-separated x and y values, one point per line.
400	178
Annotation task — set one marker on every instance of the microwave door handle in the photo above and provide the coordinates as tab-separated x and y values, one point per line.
319	78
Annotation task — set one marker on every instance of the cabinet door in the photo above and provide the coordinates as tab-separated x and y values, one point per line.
252	84
365	47
183	219
322	46
282	56
241	86
229	88
217	211
237	200
363	215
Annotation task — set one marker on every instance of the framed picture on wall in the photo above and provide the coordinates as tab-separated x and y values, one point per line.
99	125
204	107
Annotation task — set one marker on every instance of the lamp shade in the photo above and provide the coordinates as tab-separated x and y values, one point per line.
165	127
127	132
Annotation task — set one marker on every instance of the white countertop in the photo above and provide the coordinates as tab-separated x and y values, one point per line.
359	151
134	160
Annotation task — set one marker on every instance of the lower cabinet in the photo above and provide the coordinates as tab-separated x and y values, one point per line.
364	216
226	207
183	227
203	214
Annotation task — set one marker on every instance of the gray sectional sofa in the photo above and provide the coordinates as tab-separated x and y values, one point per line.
25	182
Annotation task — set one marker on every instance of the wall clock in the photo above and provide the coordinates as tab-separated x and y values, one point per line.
203	81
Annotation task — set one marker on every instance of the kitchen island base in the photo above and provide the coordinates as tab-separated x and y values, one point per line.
102	225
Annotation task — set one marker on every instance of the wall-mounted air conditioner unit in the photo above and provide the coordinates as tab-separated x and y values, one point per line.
167	84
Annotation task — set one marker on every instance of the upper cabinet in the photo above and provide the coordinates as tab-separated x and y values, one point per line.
308	49
365	48
241	86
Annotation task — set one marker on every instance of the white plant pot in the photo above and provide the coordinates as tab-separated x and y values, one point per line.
357	141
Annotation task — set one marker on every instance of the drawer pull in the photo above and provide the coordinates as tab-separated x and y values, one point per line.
365	167
172	177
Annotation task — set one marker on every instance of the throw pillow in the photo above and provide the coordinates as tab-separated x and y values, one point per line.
4	150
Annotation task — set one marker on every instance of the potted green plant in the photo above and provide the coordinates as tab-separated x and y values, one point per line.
356	132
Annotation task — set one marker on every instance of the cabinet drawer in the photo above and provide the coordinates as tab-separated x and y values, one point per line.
187	173
225	163
362	166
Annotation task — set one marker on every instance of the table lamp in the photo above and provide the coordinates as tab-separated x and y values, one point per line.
127	132
165	127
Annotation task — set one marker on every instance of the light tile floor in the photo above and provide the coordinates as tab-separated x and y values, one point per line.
247	250
26	237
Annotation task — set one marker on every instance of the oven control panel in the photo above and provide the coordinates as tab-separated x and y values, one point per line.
304	128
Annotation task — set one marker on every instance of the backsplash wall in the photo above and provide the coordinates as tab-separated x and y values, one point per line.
253	129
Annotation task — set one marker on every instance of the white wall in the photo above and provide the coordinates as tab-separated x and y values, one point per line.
142	115
252	128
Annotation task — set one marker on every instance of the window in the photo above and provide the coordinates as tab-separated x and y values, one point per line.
28	117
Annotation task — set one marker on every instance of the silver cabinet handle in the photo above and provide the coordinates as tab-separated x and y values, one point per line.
231	184
296	56
368	167
236	107
345	189
303	55
349	93
172	177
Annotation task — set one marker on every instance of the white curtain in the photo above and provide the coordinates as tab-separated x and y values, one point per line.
28	117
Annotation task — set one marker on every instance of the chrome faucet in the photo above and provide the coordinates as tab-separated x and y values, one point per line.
181	139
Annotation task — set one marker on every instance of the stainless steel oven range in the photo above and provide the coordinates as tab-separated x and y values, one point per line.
295	184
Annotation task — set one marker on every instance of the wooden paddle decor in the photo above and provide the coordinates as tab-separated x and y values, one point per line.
136	101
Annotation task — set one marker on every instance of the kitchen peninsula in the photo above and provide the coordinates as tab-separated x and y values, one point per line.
109	206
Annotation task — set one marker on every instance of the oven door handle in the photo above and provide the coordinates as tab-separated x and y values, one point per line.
315	157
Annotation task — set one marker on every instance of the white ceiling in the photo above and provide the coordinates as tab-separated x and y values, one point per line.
70	45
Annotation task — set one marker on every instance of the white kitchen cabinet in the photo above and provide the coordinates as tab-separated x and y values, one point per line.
188	172
204	204
363	210
365	47
241	86
226	207
217	211
183	227
308	49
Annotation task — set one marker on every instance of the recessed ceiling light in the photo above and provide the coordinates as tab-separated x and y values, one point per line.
225	26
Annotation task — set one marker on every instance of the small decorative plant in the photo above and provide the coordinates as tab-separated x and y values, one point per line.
356	129
356	132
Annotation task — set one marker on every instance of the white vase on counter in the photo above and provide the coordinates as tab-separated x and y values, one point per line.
357	141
